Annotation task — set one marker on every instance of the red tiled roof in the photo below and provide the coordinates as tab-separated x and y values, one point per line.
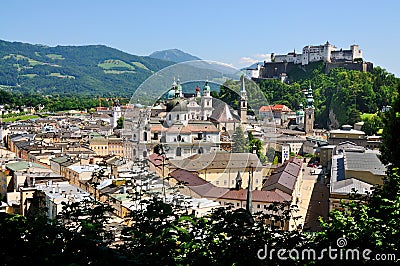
157	128
265	108
155	159
188	178
276	107
179	129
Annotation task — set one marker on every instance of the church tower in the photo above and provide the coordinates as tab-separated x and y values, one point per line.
243	102
178	91
206	102
309	112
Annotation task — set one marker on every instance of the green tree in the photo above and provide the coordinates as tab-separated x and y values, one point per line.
257	145
270	154
372	221
120	122
240	143
390	148
372	124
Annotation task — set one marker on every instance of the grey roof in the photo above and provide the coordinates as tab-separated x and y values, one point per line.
222	112
368	162
347	186
349	146
218	160
286	175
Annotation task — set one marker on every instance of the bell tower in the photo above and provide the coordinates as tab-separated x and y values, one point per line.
206	102
309	112
242	110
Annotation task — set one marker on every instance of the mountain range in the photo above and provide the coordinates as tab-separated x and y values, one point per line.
173	55
95	70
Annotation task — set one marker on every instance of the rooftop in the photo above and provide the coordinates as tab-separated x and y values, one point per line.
218	160
368	162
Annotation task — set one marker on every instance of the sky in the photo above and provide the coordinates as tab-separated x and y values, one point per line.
233	32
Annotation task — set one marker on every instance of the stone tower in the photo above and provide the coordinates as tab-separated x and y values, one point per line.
309	112
242	110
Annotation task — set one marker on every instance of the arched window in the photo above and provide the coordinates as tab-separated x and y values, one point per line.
145	136
178	151
201	150
179	138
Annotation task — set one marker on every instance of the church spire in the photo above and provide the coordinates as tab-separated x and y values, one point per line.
242	86
310	98
242	110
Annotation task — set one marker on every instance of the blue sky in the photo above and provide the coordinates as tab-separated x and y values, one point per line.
233	32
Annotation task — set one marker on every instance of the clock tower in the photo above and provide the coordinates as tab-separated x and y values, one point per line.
309	112
242	102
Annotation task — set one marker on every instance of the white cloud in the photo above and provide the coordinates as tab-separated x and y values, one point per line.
263	57
248	60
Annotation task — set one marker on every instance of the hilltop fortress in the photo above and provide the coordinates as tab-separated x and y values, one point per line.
280	65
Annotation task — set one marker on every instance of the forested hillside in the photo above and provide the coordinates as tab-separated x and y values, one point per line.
341	96
86	70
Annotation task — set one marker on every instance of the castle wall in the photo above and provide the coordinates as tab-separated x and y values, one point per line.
360	66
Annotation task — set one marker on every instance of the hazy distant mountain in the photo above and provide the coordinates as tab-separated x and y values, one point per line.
90	70
253	66
173	55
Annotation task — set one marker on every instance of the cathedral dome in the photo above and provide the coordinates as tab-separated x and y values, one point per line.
171	94
177	105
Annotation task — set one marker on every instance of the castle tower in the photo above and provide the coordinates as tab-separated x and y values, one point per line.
309	112
242	110
206	102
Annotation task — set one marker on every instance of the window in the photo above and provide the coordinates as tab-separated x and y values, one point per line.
177	117
201	150
169	117
145	136
179	151
225	182
179	138
155	136
217	182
